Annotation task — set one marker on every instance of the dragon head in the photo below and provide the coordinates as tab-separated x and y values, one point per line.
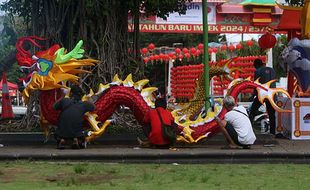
51	68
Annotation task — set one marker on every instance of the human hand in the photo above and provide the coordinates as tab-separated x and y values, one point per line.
217	119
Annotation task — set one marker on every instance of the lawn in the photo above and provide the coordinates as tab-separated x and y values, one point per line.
95	175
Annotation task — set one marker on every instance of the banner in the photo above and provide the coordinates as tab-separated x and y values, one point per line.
193	15
198	28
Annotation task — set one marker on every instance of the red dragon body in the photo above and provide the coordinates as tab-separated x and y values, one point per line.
54	67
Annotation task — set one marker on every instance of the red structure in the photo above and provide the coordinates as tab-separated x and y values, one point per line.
290	23
7	110
184	78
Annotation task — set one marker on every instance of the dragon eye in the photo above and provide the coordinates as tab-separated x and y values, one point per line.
45	66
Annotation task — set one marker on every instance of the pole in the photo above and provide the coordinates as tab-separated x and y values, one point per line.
206	55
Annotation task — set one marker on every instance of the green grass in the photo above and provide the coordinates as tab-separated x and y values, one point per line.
95	175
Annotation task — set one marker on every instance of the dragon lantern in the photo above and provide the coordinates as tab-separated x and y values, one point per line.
49	70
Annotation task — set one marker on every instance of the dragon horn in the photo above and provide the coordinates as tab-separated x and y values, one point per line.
77	52
140	84
128	81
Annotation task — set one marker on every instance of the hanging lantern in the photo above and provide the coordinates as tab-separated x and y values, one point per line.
267	41
185	50
224	47
231	47
166	57
193	51
250	43
200	46
151	46
152	57
239	46
177	50
144	51
180	57
156	57
198	52
161	56
187	55
214	50
210	50
146	59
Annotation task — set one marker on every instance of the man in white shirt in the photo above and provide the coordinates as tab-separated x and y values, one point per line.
236	126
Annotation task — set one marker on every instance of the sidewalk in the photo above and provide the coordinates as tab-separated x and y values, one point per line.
124	149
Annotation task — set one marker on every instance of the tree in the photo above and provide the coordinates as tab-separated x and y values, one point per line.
101	24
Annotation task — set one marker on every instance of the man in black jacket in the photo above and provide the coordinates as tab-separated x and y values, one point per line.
70	126
265	74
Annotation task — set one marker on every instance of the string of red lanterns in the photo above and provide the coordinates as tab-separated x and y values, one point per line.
188	53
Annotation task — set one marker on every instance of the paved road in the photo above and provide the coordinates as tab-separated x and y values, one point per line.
122	149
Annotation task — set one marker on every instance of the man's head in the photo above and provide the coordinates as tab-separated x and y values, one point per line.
229	102
160	102
258	63
76	92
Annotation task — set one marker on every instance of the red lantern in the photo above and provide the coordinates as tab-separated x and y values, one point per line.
239	46
224	47
146	59
231	47
250	43
166	57
177	50
161	56
144	51
267	41
193	51
152	57
198	52
210	50
156	57
185	50
187	55
214	50
180	57
200	46
151	46
170	54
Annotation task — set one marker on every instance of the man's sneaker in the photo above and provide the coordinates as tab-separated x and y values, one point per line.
75	144
246	146
61	144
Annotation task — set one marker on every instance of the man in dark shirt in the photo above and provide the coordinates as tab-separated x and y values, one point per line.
71	118
265	74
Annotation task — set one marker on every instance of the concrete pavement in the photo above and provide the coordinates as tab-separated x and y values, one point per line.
124	149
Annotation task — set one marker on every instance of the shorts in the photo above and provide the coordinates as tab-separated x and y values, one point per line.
233	134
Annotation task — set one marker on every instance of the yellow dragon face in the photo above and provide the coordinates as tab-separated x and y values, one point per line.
49	69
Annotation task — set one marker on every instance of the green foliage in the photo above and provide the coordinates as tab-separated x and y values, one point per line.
249	51
162	8
281	44
7	48
155	72
58	175
80	169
